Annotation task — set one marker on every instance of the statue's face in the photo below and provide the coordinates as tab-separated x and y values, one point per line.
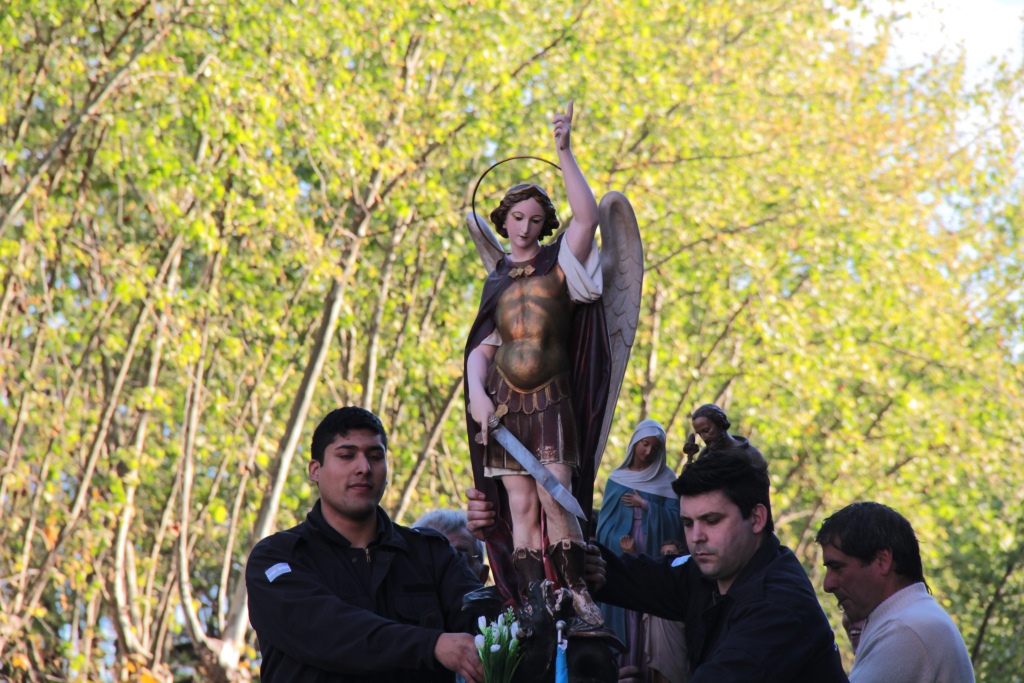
524	223
706	429
643	452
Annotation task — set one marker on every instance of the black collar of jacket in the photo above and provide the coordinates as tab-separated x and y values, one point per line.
387	534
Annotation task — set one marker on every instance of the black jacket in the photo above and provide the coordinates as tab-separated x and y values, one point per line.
768	628
322	618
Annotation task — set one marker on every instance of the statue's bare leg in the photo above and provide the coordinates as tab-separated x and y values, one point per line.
567	550
524	506
561	522
525	510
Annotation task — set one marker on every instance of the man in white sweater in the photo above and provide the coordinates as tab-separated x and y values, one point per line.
873	567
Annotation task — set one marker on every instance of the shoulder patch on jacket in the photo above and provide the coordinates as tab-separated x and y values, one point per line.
277	570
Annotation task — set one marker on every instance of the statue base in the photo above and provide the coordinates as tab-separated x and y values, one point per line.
590	652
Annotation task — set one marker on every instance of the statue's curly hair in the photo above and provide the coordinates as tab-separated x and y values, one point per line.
520	193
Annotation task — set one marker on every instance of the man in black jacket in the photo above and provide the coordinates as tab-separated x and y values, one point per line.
349	596
749	608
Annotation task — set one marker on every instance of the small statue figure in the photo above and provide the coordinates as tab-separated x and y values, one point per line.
712	426
544	364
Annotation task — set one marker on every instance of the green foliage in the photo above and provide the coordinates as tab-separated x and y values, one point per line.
833	252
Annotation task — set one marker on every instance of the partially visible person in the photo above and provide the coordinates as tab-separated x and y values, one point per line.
853	630
873	566
666	640
452	523
639	511
348	596
673	549
749	608
712	426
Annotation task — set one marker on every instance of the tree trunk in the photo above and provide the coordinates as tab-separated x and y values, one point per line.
421	461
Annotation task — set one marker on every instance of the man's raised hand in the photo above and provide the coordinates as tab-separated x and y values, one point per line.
480	514
595	569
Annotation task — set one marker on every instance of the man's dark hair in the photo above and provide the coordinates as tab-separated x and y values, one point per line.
861	530
743	483
713	413
339	423
520	193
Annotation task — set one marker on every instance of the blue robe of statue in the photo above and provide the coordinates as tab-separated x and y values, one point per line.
659	521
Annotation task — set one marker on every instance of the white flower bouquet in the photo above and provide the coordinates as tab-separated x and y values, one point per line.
499	647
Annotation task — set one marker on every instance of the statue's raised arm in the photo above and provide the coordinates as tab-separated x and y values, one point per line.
543	364
580	233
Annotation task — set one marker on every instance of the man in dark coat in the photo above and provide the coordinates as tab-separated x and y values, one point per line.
749	608
349	596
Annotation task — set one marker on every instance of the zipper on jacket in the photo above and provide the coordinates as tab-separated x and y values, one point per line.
367	555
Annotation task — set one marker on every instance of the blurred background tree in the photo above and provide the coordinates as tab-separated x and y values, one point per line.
219	220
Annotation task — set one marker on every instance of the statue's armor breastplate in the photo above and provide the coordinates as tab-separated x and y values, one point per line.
534	319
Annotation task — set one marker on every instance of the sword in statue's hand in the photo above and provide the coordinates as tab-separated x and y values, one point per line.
533	466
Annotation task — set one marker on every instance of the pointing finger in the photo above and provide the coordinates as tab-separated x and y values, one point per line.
568	112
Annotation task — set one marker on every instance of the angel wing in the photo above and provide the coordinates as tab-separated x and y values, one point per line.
622	265
487	244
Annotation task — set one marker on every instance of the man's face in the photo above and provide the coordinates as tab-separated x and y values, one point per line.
351	479
706	430
721	542
464	543
858	587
